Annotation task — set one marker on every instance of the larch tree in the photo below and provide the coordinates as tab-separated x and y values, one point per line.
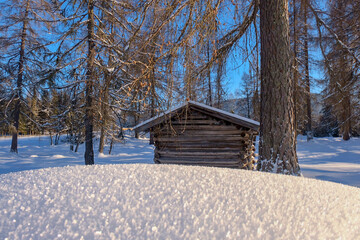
23	49
277	149
338	40
90	50
341	69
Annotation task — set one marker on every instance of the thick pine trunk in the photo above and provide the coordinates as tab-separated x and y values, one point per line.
19	83
89	88
277	127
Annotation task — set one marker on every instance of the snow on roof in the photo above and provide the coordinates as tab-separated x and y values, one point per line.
152	121
173	202
226	113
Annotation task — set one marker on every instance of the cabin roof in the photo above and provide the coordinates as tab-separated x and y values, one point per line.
205	109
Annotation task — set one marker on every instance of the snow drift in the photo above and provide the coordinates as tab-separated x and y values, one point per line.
176	202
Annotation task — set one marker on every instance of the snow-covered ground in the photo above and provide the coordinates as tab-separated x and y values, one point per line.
35	152
148	201
118	200
330	159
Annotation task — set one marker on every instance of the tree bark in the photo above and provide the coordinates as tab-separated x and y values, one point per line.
277	127
309	133
295	65
19	82
89	88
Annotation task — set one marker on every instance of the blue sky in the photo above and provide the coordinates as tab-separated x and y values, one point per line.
236	69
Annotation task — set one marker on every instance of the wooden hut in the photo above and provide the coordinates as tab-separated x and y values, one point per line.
198	134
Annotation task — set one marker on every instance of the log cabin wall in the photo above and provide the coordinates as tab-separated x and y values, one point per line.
195	138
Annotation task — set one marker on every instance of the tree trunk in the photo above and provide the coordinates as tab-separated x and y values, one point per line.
346	127
309	132
112	138
71	141
78	139
19	82
277	127
51	139
89	88
102	139
209	97
153	94
295	66
255	99
104	112
218	83
189	81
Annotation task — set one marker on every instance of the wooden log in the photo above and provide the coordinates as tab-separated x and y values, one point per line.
156	153
194	122
200	138
193	157
204	138
207	164
197	161
226	117
203	132
197	149
194	132
217	155
245	135
224	145
201	127
241	146
200	153
250	148
237	166
193	117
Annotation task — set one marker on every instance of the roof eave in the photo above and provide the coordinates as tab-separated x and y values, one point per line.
146	125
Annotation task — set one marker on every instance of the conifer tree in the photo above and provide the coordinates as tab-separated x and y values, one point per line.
277	150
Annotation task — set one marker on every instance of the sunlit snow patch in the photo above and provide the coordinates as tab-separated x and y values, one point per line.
151	201
58	156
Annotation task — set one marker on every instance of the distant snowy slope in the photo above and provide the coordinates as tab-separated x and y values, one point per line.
142	201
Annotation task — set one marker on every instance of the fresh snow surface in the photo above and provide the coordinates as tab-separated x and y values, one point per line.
148	201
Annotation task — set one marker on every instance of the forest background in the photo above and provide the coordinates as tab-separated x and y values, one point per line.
77	67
